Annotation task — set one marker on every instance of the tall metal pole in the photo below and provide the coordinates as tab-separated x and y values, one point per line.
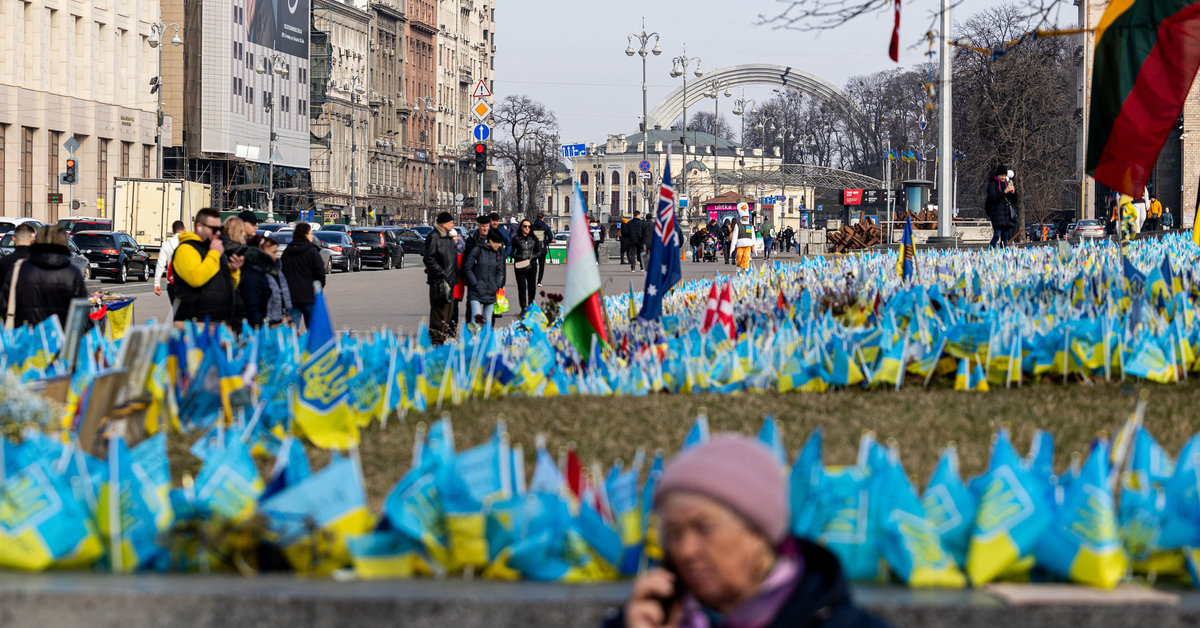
887	190
945	143
157	31
271	154
680	68
643	39
356	88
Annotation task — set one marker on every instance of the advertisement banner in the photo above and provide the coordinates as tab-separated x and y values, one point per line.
872	197
279	24
852	197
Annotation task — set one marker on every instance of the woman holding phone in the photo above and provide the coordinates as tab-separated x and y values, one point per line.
730	561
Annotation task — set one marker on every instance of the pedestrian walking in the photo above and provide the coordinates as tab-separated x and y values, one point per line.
697	242
485	273
503	230
646	240
729	559
543	230
789	234
42	284
1153	215
1001	207
206	279
1168	219
249	223
302	265
631	241
527	248
767	231
22	236
163	264
724	234
441	273
597	237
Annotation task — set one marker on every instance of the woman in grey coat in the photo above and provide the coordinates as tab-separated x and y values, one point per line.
485	274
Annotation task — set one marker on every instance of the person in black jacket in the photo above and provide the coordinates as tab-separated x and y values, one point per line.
45	281
631	241
724	515
485	272
441	273
262	287
526	249
22	239
646	239
541	227
205	278
302	265
1001	206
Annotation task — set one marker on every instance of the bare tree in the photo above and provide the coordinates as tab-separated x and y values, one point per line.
702	122
528	141
1016	110
811	15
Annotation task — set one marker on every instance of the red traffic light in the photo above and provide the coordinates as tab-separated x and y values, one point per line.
70	163
479	148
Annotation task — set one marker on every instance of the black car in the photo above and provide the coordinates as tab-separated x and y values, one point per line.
411	242
345	253
77	258
113	255
378	247
79	224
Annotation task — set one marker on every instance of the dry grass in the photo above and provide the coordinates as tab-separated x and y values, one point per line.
922	422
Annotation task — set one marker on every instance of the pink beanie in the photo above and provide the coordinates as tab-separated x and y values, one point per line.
740	473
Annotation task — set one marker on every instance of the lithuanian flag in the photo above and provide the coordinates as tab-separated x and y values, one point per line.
1147	53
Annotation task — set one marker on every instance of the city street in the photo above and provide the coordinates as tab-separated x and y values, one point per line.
398	299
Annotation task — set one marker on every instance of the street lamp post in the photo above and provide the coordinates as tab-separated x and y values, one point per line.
157	31
272	64
643	39
739	110
714	92
679	67
784	141
427	141
357	88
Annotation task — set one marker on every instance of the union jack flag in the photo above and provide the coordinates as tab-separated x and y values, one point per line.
662	271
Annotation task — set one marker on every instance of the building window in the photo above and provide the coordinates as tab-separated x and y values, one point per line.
303	107
250	95
615	178
250	60
27	172
585	201
147	157
616	203
583	178
52	161
101	169
126	148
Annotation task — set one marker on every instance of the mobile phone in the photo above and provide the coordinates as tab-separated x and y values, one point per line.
668	602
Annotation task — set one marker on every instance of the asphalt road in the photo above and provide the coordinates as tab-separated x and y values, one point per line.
398	299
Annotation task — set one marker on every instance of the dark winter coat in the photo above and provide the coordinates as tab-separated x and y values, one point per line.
996	205
485	273
526	247
6	262
45	286
263	289
440	257
547	233
647	236
631	234
302	265
214	299
821	598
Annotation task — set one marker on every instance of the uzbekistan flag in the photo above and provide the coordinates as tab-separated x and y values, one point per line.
1147	53
583	304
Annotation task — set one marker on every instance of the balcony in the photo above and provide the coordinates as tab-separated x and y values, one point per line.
464	76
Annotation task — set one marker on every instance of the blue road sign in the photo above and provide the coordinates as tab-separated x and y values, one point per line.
820	208
644	166
574	150
481	132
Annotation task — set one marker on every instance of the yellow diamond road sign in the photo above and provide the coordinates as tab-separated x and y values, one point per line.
482	109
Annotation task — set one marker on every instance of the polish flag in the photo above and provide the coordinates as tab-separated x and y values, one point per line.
725	311
710	309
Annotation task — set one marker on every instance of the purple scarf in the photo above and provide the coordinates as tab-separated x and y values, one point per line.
761	609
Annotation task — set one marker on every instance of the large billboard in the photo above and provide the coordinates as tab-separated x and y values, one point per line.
234	97
281	25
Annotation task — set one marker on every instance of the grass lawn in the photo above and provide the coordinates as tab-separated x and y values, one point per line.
921	421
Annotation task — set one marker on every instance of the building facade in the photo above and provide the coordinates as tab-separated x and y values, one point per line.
339	141
466	56
420	84
386	135
74	70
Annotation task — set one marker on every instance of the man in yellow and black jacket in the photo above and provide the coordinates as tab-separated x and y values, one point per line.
207	279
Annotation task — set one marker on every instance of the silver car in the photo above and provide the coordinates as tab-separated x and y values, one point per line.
78	260
1087	229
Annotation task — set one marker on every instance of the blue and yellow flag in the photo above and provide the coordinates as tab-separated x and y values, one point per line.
906	259
321	401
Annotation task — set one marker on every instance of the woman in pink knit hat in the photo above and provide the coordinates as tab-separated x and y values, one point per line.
730	562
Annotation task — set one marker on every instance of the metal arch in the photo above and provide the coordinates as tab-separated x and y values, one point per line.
671	107
797	175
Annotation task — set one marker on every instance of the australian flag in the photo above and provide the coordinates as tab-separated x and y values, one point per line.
662	271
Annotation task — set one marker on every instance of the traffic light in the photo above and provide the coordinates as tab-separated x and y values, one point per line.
481	157
70	177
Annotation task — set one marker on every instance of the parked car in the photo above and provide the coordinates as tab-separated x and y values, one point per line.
113	255
284	238
561	238
8	224
338	228
77	258
422	230
378	247
411	242
1086	229
81	223
271	227
345	254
